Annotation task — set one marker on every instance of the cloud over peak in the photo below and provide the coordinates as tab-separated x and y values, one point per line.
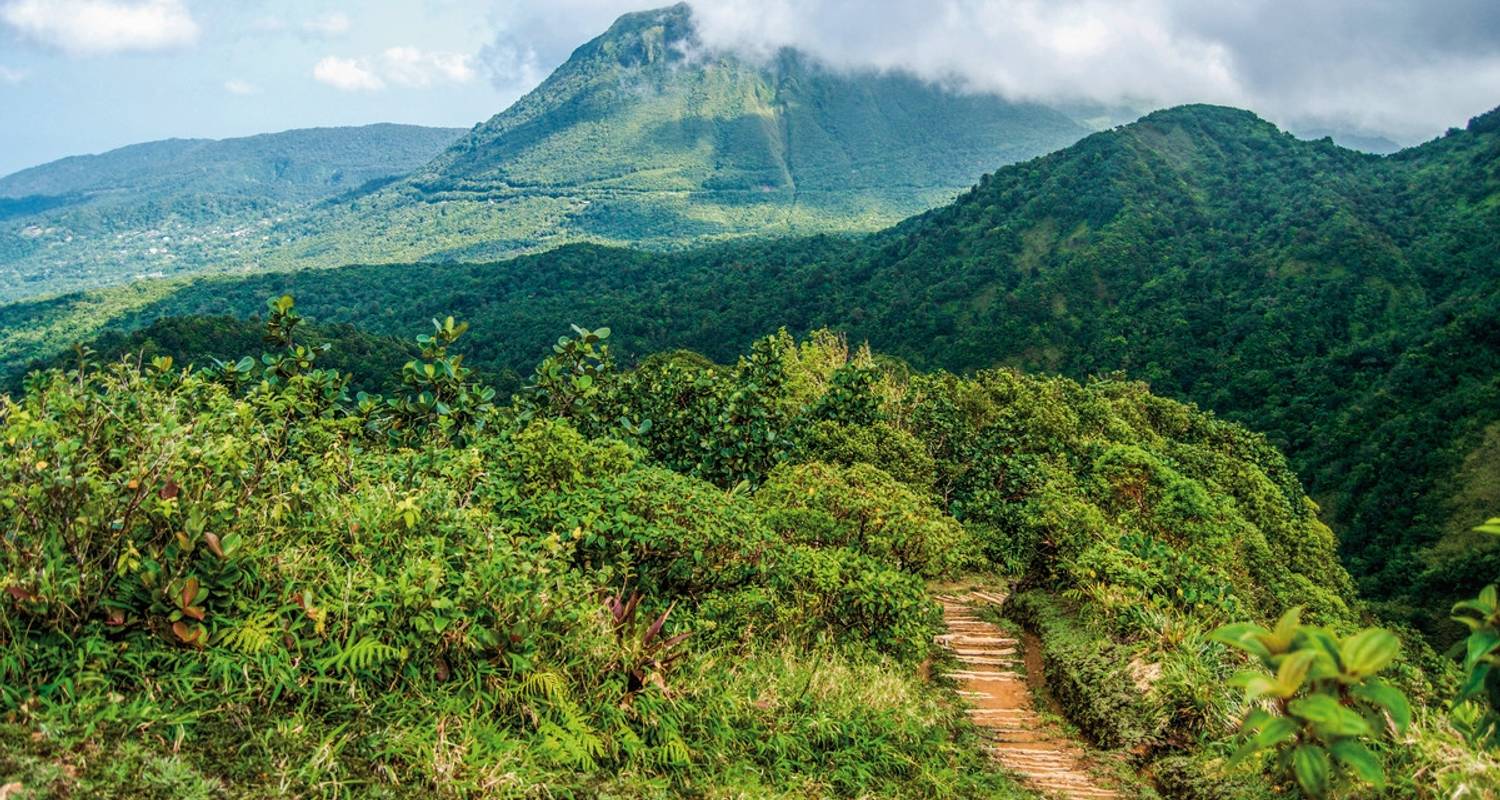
101	27
1406	68
1402	68
402	66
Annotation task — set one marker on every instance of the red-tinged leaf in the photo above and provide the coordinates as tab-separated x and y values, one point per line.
169	490
189	634
189	591
629	613
116	617
673	641
655	628
20	594
196	612
442	669
212	540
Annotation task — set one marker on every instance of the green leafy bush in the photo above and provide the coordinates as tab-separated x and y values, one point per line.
1324	705
863	508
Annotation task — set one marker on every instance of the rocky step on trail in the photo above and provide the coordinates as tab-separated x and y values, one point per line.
990	678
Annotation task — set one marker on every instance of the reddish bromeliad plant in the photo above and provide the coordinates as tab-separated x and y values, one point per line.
645	655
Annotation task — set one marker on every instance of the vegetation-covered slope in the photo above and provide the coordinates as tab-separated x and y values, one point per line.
643	137
173	206
1344	304
646	137
677	580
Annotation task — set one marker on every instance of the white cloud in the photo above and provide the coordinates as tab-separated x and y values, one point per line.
335	24
409	66
240	87
401	66
12	76
98	27
347	74
1405	69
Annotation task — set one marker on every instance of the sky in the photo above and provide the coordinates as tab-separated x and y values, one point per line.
83	76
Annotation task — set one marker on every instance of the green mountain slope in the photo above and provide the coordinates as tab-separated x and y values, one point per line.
643	137
1344	304
172	206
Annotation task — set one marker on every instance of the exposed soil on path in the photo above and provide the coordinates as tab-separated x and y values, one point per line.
993	679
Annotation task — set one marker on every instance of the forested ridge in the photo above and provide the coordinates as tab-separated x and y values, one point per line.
1341	303
675	579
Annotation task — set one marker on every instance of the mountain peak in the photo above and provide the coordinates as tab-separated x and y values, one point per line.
645	37
1210	117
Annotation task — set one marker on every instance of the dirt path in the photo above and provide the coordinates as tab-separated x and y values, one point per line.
1001	703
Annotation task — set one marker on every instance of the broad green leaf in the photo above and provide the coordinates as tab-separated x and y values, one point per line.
1359	760
1293	672
1323	642
1474	683
1369	651
1328	717
1310	766
1246	636
1479	645
1274	733
1387	697
1285	632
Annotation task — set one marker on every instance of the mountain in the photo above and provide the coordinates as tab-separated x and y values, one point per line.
170	206
643	137
1347	305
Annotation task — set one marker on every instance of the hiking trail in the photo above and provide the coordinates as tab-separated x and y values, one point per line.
990	678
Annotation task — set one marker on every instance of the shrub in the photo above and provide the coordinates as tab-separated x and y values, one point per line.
1320	705
863	508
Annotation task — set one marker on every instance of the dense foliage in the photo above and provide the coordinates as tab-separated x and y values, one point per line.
256	567
679	578
1344	304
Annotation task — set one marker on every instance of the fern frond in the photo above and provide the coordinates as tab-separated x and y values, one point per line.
253	636
359	655
547	686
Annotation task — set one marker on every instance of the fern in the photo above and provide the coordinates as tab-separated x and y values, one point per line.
360	655
571	743
674	752
548	686
253	636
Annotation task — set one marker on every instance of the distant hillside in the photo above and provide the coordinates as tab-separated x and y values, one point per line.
1347	305
308	164
642	138
173	206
